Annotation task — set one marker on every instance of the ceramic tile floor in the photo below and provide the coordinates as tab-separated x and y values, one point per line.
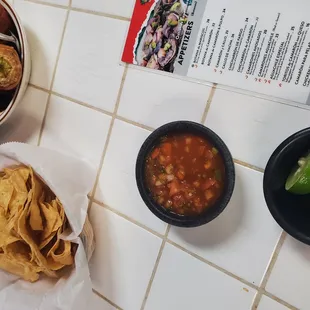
84	102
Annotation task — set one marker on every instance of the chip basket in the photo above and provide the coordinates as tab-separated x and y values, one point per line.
88	238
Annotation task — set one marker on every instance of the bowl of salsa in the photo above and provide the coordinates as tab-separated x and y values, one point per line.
185	174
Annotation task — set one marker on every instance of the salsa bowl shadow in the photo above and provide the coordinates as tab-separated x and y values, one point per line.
291	212
185	127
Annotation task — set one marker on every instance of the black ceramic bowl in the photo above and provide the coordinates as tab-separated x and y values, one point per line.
292	212
164	214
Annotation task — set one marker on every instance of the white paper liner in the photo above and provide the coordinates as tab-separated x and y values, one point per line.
71	180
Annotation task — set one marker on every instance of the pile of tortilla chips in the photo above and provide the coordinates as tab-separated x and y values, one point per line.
31	222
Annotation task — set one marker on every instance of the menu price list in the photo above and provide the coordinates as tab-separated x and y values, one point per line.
245	46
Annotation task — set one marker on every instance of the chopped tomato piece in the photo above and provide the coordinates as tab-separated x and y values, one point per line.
209	154
209	194
208	183
197	203
199	208
158	183
188	140
160	191
181	174
208	164
168	160
162	159
160	200
153	179
170	177
189	195
169	204
196	184
201	150
169	169
179	200
166	148
162	177
174	188
155	153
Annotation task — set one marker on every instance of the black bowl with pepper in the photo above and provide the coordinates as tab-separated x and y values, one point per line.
290	211
185	174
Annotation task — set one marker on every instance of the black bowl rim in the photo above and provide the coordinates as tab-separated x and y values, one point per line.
165	215
267	193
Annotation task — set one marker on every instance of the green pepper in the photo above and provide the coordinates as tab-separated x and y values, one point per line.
218	175
214	151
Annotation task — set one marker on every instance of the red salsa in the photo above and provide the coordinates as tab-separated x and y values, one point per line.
185	174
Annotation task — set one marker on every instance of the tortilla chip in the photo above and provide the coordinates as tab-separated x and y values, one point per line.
32	220
18	179
19	268
18	253
53	222
25	234
63	253
35	219
7	236
23	171
6	193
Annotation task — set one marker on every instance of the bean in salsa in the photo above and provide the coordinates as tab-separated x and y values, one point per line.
185	174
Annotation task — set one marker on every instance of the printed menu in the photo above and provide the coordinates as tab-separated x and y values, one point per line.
260	46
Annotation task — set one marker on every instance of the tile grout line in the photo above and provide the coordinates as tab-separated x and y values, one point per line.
49	4
53	77
160	252
280	301
75	9
257	298
208	104
92	195
228	273
91	199
112	16
242	163
72	100
128	121
107	300
270	266
82	103
128	218
273	260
